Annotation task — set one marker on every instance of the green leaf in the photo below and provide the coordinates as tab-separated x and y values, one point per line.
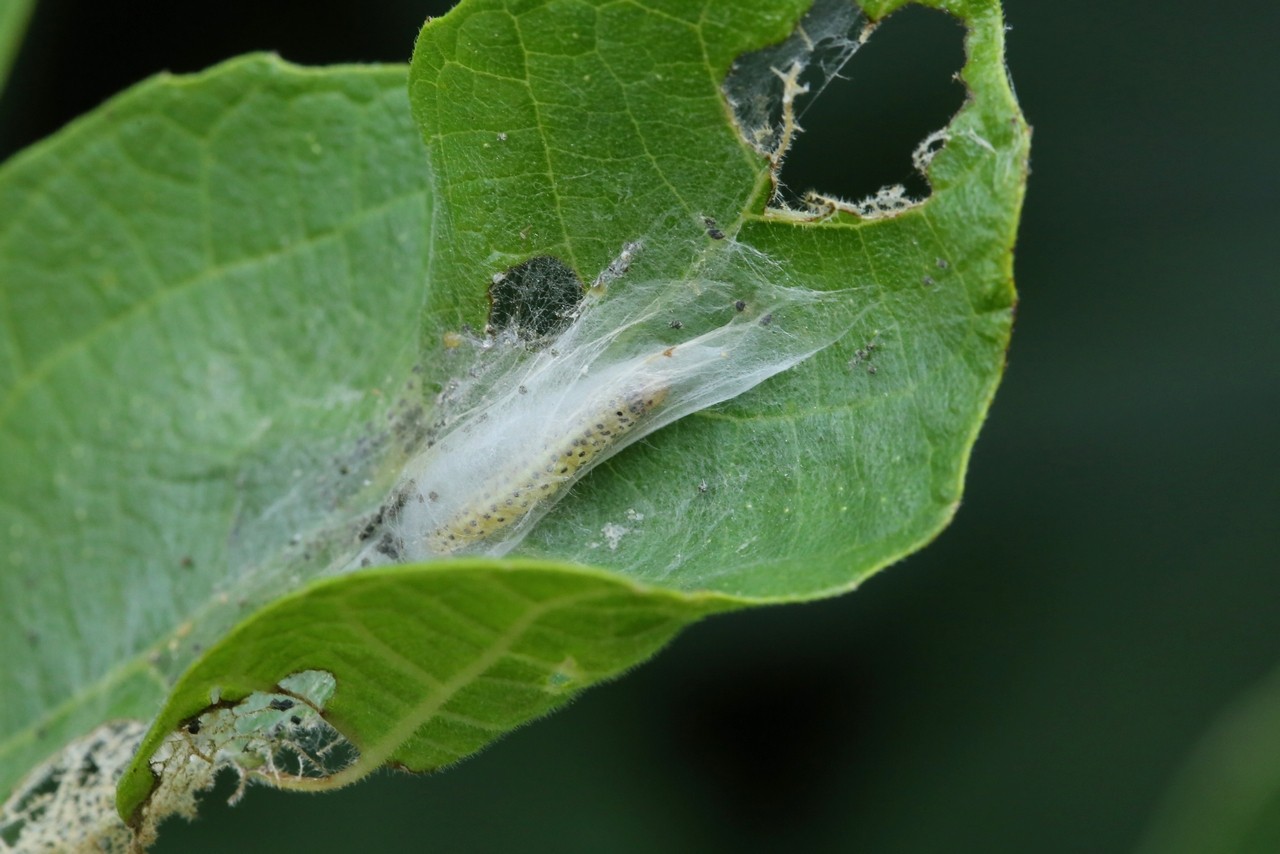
14	15
229	301
205	287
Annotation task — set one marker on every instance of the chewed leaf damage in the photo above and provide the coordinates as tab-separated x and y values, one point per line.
764	90
534	299
279	737
66	803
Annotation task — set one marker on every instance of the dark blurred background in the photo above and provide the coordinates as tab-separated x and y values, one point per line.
1033	680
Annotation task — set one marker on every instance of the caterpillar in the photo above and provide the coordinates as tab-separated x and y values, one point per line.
504	501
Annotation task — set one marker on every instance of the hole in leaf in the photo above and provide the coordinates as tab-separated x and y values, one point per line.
860	133
535	299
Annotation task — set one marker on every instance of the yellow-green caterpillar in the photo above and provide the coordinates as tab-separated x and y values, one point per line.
505	500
